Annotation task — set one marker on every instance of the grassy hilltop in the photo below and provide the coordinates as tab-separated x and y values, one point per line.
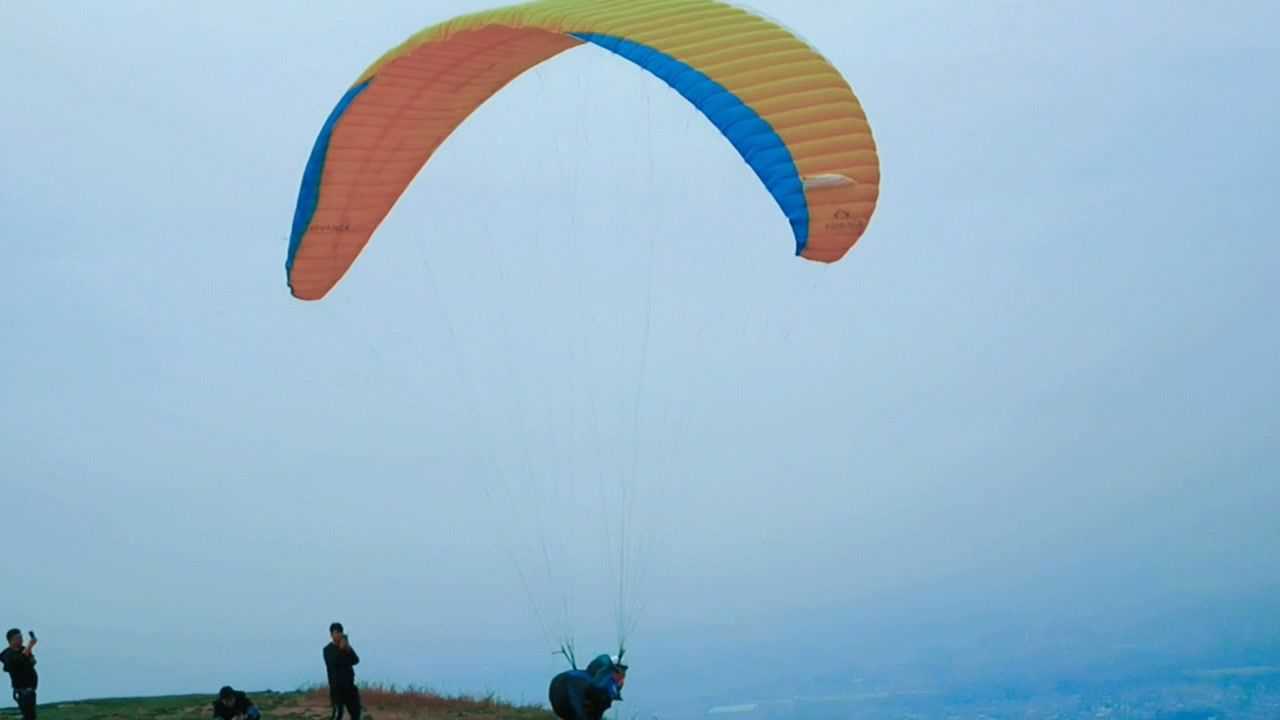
381	703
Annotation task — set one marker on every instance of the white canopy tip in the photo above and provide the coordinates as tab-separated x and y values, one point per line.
826	180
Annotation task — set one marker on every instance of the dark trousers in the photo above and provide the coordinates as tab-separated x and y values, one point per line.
558	694
26	700
562	701
348	699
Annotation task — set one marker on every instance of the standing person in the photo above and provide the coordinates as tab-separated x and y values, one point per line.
340	661
20	663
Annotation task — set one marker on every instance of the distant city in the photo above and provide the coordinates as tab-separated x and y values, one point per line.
1247	693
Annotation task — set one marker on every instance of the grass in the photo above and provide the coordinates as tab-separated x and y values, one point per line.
381	702
415	702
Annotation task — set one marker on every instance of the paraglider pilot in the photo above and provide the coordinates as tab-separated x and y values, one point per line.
586	694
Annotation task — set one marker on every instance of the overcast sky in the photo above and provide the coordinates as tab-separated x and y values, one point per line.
1036	407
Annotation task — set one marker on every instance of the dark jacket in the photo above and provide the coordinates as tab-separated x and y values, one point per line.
340	665
582	695
241	706
21	668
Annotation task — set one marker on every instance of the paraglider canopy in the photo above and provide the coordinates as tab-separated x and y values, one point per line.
790	115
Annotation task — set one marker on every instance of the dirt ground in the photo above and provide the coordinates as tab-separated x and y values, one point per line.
380	704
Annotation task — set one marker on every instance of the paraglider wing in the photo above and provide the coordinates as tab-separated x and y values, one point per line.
789	113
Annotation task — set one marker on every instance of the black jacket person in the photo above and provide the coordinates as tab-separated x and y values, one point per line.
234	705
340	660
20	663
587	694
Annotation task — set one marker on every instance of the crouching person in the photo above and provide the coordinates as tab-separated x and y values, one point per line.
234	705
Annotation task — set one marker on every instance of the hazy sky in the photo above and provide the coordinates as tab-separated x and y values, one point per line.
1035	413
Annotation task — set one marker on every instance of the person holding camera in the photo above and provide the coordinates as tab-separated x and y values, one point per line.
20	663
340	661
